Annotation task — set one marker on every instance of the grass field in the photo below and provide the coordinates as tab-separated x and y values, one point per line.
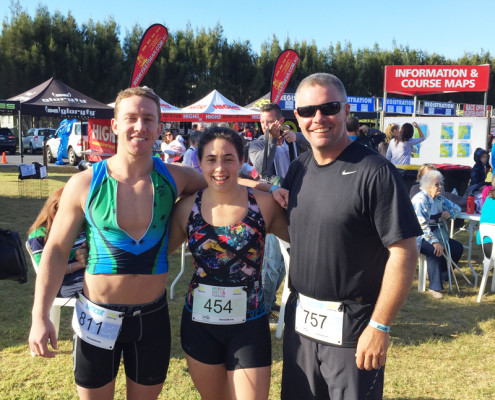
440	349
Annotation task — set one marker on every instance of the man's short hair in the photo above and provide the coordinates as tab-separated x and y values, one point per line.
195	136
352	124
323	79
137	91
272	107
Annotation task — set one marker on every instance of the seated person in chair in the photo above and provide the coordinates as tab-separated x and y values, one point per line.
430	207
37	236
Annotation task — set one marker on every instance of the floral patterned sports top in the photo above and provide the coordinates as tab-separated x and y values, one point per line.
228	255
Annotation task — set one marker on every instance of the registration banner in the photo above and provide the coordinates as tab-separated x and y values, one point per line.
284	67
151	43
101	139
423	79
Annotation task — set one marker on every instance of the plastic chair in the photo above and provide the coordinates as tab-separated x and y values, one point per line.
487	231
284	246
58	303
422	269
182	267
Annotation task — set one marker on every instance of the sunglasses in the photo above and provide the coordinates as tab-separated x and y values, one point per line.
331	108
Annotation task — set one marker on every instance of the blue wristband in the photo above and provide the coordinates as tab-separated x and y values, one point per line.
380	327
273	188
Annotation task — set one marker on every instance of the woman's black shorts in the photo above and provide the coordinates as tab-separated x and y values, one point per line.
238	346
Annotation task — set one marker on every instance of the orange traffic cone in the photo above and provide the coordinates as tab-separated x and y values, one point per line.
4	159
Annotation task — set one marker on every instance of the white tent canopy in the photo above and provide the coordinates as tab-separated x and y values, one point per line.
213	108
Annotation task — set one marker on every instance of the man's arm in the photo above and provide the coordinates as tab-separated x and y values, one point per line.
371	352
65	229
256	153
187	179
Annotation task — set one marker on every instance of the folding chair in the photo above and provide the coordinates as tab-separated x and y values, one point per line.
58	303
422	272
284	246
487	231
182	267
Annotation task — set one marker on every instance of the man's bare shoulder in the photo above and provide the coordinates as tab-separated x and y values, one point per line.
187	179
78	186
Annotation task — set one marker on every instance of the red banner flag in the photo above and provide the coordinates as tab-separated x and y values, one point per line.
412	80
101	139
152	42
284	67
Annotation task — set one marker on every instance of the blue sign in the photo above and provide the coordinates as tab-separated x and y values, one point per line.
399	106
361	104
437	108
288	101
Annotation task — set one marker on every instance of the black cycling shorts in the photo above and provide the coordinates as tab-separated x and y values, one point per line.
144	341
238	346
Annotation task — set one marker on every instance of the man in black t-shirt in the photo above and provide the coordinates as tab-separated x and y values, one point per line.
353	254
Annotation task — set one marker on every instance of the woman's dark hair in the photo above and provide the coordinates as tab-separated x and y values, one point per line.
220	132
406	132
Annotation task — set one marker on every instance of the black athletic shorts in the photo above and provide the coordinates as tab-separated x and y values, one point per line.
315	371
144	341
238	346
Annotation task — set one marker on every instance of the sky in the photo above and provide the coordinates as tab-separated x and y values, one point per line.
449	28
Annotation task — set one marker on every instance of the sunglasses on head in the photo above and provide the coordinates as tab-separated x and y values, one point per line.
330	108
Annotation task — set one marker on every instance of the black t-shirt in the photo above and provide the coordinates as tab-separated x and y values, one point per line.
342	217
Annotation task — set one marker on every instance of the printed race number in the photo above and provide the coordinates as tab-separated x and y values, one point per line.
320	320
96	325
219	305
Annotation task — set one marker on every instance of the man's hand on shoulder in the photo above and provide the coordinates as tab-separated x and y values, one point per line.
281	196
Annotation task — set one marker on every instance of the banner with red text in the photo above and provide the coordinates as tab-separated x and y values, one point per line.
284	67
152	42
413	80
101	139
475	110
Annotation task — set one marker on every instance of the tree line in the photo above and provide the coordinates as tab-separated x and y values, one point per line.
91	58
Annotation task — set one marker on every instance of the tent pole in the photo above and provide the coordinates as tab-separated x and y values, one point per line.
21	150
414	106
382	116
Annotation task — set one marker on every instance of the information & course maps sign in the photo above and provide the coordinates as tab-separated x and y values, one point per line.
422	79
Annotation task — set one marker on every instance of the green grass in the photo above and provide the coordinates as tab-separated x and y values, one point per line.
440	349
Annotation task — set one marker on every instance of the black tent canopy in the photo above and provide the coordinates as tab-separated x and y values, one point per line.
54	98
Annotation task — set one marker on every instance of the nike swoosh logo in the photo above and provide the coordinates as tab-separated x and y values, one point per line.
348	172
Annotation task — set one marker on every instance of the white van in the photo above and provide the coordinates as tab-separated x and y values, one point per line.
78	136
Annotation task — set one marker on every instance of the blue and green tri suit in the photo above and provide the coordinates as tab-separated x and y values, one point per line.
144	340
111	249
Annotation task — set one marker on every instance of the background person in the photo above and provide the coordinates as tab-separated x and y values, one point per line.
38	234
362	134
488	214
279	155
172	146
391	131
478	172
225	225
193	145
399	148
461	201
352	230
430	206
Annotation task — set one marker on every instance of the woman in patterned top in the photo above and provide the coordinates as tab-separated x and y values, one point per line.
225	331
